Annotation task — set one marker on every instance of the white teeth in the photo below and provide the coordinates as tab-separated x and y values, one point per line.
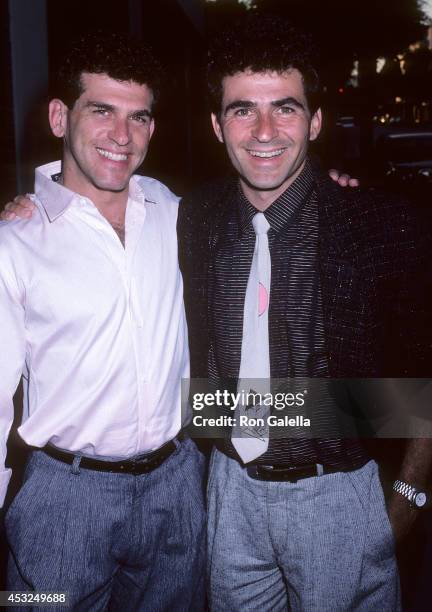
266	153
113	156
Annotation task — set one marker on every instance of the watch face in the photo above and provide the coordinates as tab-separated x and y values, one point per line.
420	499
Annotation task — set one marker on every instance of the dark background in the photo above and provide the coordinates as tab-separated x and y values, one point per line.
184	151
360	109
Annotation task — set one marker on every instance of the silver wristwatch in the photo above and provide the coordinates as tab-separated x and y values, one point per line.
416	498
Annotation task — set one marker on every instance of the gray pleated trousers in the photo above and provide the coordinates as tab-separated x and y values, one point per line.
322	544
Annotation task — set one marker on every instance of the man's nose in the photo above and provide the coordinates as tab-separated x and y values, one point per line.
265	128
120	132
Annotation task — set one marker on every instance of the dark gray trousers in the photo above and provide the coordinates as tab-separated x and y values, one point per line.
111	541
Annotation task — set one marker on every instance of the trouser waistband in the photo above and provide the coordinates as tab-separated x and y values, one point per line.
141	464
283	473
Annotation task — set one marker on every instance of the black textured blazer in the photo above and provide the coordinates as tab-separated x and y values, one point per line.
375	271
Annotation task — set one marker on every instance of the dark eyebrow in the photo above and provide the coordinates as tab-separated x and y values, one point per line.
289	100
109	107
277	103
103	105
142	113
239	104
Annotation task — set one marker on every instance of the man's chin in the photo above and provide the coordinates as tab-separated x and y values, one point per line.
267	182
264	184
110	185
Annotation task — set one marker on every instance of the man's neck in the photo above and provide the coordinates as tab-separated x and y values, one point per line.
110	204
262	199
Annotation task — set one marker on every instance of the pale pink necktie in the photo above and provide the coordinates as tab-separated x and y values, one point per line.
251	441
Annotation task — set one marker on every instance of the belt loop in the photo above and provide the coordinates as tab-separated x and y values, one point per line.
75	465
320	469
179	439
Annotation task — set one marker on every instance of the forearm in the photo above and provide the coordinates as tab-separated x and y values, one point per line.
416	468
416	471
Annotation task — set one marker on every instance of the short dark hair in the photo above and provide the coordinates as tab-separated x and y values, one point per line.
262	43
119	56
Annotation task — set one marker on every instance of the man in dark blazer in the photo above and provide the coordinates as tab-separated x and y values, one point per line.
302	526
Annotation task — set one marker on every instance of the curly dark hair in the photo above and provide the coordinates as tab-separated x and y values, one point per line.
119	56
262	43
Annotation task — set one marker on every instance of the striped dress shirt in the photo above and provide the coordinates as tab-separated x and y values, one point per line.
296	328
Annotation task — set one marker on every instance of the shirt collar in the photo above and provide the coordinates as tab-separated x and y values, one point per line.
56	198
282	210
53	196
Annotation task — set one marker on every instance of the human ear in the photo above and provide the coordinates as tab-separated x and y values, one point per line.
216	127
152	127
315	125
57	116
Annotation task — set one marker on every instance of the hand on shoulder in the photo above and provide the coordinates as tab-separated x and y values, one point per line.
20	207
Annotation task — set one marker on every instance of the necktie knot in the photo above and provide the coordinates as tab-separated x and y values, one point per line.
260	224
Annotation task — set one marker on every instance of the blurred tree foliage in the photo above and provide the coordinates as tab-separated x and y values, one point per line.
418	74
345	30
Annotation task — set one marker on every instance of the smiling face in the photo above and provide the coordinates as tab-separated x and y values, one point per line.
106	135
266	126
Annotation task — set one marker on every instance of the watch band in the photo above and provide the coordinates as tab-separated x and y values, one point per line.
416	497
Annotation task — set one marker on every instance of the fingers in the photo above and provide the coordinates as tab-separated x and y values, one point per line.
344	180
334	174
21	207
24	201
7	216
